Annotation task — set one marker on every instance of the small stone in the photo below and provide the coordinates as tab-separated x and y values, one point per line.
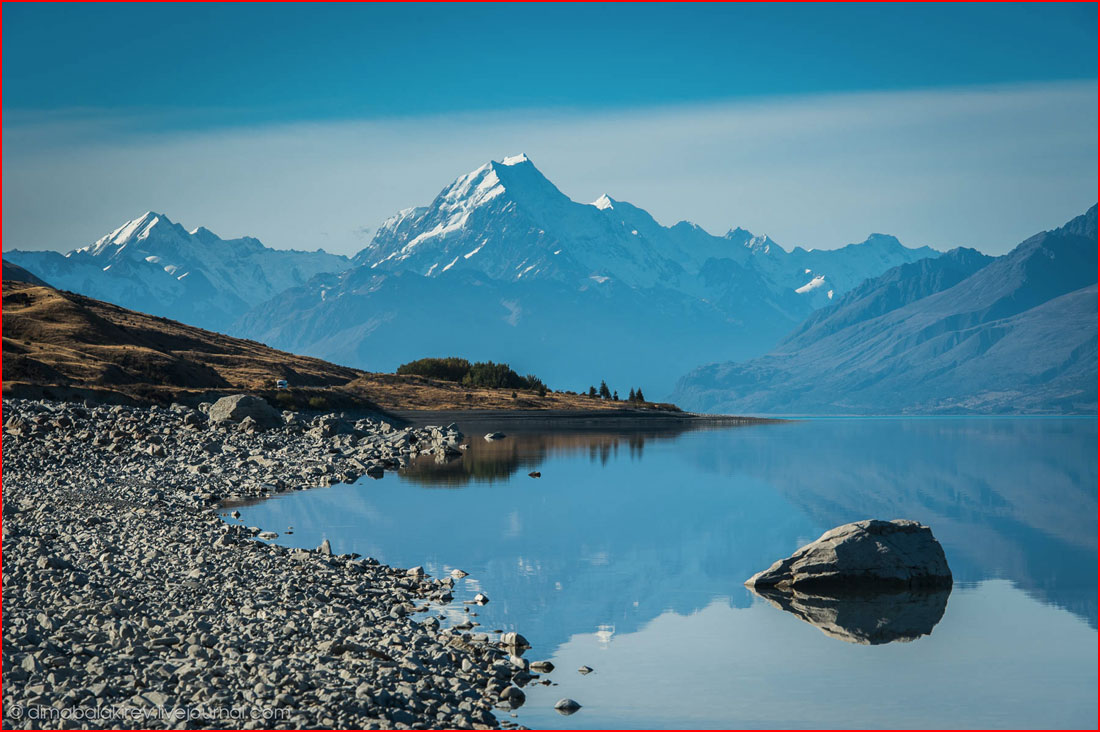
513	696
325	548
567	706
515	640
584	670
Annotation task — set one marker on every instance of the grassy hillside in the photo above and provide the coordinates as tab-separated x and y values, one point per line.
62	345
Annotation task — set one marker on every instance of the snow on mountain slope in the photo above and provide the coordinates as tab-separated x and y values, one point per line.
506	220
502	264
156	266
957	334
819	275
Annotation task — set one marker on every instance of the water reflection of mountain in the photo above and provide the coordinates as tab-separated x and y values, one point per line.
1008	498
582	548
613	535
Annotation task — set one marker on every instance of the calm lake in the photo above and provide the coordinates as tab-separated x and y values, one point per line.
629	553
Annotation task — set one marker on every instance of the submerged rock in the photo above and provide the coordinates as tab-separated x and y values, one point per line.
567	706
870	555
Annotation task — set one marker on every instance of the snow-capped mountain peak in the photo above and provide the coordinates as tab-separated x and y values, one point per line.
604	202
137	229
507	220
154	265
762	244
757	244
422	238
516	159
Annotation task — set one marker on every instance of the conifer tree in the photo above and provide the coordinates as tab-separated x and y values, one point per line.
631	397
605	393
638	394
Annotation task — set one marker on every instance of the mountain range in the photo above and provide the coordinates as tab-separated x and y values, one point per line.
962	333
155	266
503	265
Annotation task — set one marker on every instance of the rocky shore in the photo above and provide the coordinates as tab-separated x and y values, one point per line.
129	602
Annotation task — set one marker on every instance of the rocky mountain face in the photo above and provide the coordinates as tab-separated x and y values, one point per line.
155	266
503	265
957	334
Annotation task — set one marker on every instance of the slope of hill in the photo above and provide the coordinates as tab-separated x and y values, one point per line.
154	265
18	274
62	345
503	265
953	335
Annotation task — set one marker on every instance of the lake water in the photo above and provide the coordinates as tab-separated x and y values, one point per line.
629	553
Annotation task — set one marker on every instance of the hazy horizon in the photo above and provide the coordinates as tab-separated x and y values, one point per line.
816	128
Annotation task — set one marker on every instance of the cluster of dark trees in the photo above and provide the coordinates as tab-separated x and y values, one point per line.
605	393
483	373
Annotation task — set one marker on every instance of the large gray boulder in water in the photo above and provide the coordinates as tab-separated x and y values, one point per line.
235	408
865	555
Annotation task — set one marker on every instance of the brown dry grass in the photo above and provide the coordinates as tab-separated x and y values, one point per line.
66	345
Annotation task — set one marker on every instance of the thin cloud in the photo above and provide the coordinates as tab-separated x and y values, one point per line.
979	167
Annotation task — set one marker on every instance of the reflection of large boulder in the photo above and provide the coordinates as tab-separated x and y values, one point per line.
868	618
864	555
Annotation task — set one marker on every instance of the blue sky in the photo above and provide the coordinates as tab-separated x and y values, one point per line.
110	110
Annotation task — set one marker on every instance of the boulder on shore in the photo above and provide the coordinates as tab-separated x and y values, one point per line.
864	555
239	406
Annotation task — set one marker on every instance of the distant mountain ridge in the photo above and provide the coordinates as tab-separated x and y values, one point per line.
508	221
500	265
503	265
154	265
962	333
18	274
